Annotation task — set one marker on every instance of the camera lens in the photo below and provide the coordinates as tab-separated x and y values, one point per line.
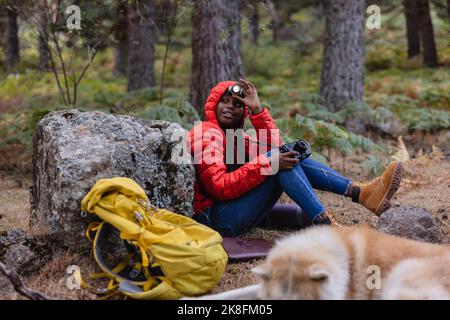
236	89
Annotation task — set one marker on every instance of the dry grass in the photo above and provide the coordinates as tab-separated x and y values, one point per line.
53	277
15	156
14	202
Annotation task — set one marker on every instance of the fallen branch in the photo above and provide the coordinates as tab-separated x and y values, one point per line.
18	285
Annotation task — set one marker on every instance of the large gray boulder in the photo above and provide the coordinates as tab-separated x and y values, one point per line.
410	222
73	149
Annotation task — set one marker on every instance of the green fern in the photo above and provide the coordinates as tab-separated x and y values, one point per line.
161	112
414	117
426	119
184	108
363	143
340	144
373	165
174	110
319	112
358	110
307	124
324	135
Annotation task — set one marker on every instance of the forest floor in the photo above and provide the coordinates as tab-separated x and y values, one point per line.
426	183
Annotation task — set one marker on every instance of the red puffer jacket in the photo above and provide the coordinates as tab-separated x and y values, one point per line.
207	142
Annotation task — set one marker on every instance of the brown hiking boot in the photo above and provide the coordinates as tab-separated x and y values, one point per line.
376	195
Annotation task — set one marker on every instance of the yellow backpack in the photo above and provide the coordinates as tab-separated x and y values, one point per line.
176	256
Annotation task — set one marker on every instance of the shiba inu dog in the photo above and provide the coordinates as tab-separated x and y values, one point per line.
354	263
327	262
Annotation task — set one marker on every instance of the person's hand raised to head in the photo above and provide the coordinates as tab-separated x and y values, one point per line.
251	99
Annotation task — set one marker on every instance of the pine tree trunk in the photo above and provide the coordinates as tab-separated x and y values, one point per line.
141	32
412	27
121	36
276	22
3	24
253	21
164	9
12	38
43	52
43	45
448	9
216	47
430	58
343	58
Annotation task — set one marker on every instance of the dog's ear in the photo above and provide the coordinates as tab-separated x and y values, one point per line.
318	272
262	271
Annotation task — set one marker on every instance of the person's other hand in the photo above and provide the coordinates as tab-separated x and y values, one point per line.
251	99
286	161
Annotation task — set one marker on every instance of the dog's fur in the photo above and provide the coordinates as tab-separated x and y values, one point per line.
326	262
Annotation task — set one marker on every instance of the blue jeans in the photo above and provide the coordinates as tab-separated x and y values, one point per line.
237	216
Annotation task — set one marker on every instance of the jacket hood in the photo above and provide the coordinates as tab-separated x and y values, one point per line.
213	100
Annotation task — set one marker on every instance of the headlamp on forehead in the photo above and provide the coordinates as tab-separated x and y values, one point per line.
237	90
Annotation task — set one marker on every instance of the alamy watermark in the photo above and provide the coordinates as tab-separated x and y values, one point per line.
373	281
374	20
73	21
72	282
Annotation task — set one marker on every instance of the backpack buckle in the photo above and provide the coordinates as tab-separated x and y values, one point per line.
134	273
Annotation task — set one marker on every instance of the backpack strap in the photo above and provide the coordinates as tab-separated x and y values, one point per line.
140	289
102	232
155	286
154	271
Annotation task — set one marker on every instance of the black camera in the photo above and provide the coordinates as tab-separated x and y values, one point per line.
301	146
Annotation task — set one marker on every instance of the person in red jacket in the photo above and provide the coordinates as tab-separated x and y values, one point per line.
237	187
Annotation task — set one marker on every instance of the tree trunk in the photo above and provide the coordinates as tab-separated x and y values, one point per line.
276	22
121	36
3	24
164	10
412	28
430	58
141	32
343	58
12	37
43	45
216	47
253	21
448	9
